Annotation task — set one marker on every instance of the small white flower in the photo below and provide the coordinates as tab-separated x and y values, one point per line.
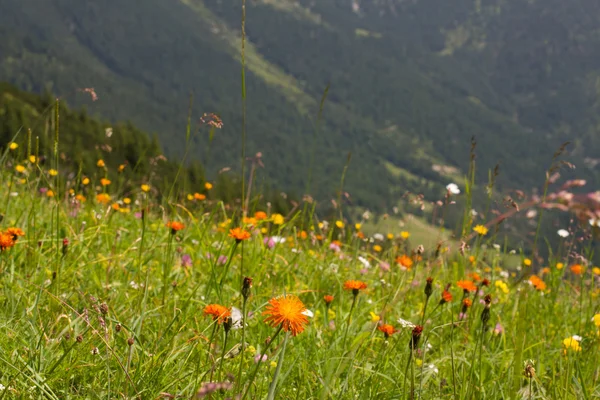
496	246
563	233
236	318
14	194
134	285
531	214
2	387
504	274
296	251
594	222
433	368
512	252
364	262
278	239
366	215
453	188
474	213
308	313
577	337
378	236
405	324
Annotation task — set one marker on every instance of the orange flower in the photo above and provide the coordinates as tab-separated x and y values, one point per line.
103	198
388	330
446	297
287	312
105	182
467	286
218	312
15	233
6	241
260	215
199	196
328	299
537	282
466	304
577	269
239	234
475	276
405	261
175	226
355	286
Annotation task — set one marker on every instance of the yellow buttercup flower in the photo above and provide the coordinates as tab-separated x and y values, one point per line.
527	262
390	236
404	235
481	229
278	219
13	146
208	186
560	266
100	163
374	317
127	200
145	188
20	168
596	271
52	172
357	226
377	248
190	197
32	159
105	182
339	224
596	320
50	193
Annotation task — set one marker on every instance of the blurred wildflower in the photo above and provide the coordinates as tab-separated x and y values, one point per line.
502	286
328	299
339	224
32	159
278	219
287	312
577	269
416	336
208	186
103	198
405	324
100	163
596	320
481	230
571	343
527	262
388	330
559	266
466	286
19	168
145	188
452	188
175	226
563	233
218	312
377	248
354	286
13	146
260	215
239	234
404	235
85	181
105	182
374	317
199	196
405	261
52	172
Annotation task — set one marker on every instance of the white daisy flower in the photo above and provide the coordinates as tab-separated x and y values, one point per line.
563	233
453	188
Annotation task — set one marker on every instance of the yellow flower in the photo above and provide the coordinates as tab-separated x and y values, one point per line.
560	266
13	146
127	200
100	164
418	362
124	210
339	224
80	198
190	197
50	193
208	186
52	172
527	262
32	159
273	364
596	320
264	230
502	286
571	343
377	248
278	219
374	317
85	181
404	234
145	188
121	167
250	349
105	182
481	229
20	168
331	314
390	236
71	192
596	271
357	226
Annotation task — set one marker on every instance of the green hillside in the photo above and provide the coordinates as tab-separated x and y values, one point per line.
410	83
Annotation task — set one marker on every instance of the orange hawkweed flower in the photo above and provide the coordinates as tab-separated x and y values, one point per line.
355	286
446	297
328	299
388	330
467	286
537	282
405	261
218	312
260	215
239	234
577	269
6	241
475	276
175	226
287	312
15	233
